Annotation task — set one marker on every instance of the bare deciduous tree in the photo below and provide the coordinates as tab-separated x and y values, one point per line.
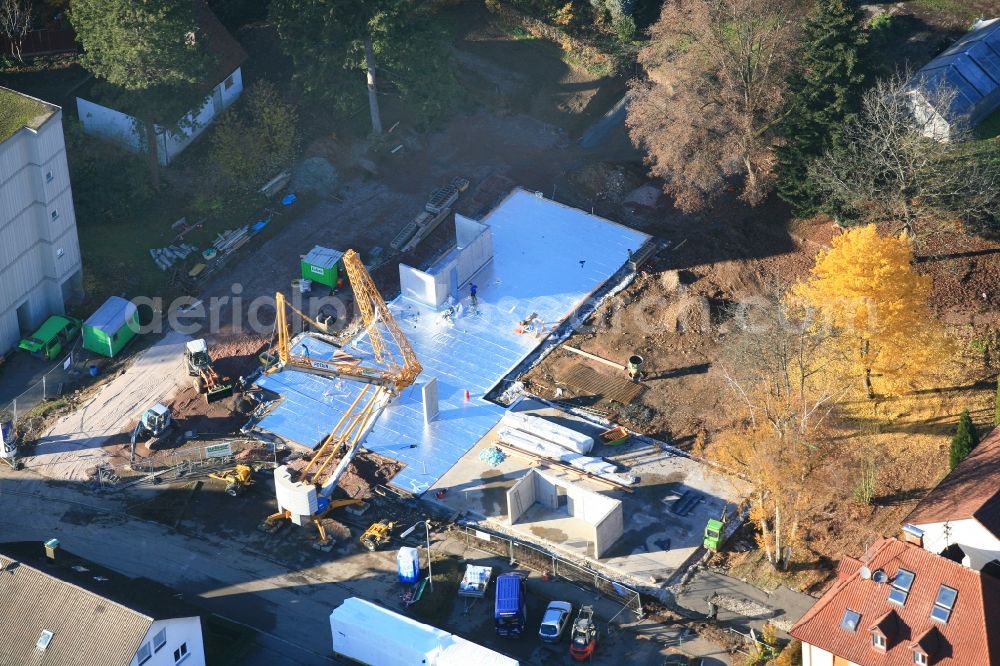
714	89
15	22
891	169
785	396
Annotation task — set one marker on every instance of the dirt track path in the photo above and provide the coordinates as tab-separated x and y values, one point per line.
73	443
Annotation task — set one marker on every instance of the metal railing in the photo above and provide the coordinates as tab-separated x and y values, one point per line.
538	559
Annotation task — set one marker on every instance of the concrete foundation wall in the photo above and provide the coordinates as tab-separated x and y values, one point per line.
425	288
608	530
520	497
475	245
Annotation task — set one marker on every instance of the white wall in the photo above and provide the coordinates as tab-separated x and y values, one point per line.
814	656
979	544
186	630
108	123
120	127
608	530
424	288
520	497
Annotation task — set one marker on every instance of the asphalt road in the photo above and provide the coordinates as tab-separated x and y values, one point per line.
217	575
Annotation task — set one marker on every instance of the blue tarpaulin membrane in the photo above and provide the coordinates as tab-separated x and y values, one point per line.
547	259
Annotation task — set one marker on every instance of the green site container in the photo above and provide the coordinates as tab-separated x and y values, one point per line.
109	329
320	266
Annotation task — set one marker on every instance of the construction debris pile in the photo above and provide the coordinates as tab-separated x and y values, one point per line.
165	257
492	456
437	208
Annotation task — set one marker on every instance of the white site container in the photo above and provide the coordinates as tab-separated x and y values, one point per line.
373	635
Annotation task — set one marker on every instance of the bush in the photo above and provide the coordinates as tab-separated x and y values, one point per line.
254	142
881	23
964	441
791	655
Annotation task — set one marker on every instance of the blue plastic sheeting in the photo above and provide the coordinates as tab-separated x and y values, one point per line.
548	259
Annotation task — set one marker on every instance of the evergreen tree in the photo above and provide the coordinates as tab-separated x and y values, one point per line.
964	441
826	93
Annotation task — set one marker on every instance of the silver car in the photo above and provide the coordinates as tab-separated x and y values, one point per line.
554	621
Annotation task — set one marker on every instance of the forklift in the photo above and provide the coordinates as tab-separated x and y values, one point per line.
206	380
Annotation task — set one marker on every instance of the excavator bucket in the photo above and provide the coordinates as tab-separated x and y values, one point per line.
218	392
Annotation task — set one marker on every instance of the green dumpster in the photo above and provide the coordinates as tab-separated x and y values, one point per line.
320	266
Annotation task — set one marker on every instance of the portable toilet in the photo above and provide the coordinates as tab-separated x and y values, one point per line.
109	329
320	266
408	564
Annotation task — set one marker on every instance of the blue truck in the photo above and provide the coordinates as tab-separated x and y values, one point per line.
511	609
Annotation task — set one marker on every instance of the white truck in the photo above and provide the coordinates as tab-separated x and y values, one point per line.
373	635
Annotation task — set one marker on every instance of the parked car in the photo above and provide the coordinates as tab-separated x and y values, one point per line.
554	621
50	338
511	609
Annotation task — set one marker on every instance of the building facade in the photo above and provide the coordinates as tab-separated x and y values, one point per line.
40	267
63	610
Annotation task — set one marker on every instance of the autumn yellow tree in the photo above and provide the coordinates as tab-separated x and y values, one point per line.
865	288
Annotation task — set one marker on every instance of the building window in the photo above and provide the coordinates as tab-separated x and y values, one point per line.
144	654
944	604
180	653
159	640
878	640
229	82
850	620
901	584
49	177
54	215
920	658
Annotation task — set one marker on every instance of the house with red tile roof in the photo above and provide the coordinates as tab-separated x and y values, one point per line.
960	517
902	605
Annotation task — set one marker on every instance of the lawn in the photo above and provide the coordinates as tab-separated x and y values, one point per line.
16	111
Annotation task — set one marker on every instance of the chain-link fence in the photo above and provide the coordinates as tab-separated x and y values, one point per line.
63	378
193	460
536	558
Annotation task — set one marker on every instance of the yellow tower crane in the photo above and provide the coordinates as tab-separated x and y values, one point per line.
392	373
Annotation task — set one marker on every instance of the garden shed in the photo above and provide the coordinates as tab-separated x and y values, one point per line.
970	68
109	329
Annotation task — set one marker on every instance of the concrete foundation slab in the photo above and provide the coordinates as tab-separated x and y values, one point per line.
547	259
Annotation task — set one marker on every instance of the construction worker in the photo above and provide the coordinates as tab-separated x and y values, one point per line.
473	290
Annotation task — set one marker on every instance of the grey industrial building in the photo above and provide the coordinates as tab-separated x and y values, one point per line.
40	268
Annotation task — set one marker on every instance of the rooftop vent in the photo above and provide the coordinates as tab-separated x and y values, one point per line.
880	576
43	640
913	534
52	549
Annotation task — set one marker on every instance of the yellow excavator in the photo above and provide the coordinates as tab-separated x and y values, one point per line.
393	370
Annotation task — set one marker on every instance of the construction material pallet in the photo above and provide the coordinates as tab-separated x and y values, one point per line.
441	198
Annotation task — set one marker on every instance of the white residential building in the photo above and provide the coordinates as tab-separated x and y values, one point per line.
223	87
960	517
59	609
40	268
